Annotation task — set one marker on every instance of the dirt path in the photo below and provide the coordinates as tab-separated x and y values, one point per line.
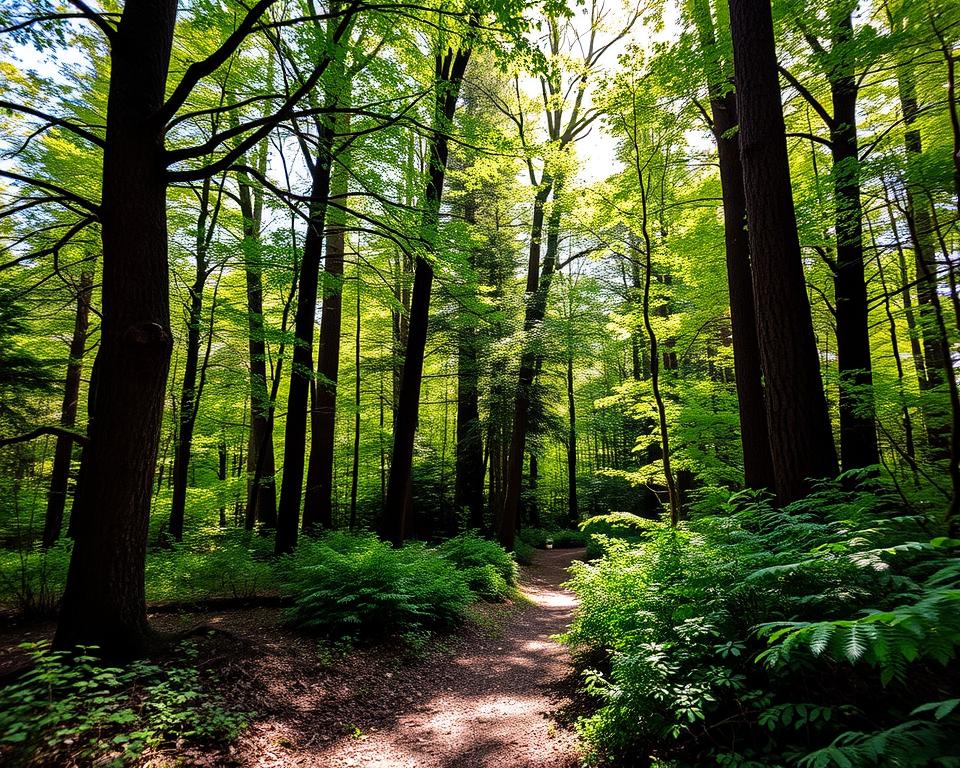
491	700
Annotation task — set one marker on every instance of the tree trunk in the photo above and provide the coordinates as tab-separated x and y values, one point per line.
449	76
538	287
57	496
468	481
801	443
757	464
261	505
858	433
189	395
355	470
318	498
103	603
301	368
573	511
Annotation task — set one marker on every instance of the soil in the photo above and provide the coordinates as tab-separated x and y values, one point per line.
494	694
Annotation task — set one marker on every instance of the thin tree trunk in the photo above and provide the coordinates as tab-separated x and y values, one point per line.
538	287
261	503
858	433
301	367
189	396
355	471
318	498
450	69
57	496
573	510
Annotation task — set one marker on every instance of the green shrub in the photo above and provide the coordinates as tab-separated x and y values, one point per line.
70	709
763	637
31	581
563	538
358	587
468	551
523	552
487	583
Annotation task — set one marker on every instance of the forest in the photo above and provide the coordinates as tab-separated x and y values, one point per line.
522	383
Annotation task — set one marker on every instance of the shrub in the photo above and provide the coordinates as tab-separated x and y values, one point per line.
468	551
523	552
763	637
563	538
70	709
32	580
360	588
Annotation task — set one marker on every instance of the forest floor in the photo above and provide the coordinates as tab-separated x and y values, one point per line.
499	692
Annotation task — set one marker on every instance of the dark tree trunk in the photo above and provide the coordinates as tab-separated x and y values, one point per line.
355	470
103	603
57	496
757	464
189	394
858	433
573	510
222	477
318	498
449	76
538	287
801	443
468	481
301	368
261	504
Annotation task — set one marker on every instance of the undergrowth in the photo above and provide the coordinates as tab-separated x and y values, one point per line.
70	709
821	634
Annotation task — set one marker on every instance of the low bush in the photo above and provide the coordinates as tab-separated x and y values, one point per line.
360	588
468	551
69	709
563	538
761	637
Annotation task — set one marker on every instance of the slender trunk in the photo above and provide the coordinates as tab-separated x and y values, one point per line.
355	471
104	601
261	503
573	510
189	397
468	481
57	496
301	367
318	498
798	422
449	76
537	289
222	477
858	433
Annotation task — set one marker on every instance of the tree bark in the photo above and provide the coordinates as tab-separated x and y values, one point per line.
858	433
318	498
57	496
261	504
103	603
537	290
450	69
757	463
301	368
801	443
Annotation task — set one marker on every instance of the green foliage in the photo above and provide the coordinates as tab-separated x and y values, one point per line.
361	588
562	538
820	634
69	708
490	571
32	580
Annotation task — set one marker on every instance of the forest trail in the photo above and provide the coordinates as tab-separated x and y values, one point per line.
492	700
497	710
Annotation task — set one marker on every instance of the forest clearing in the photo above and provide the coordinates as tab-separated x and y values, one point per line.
523	383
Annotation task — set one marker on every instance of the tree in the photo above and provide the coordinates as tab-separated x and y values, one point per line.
801	443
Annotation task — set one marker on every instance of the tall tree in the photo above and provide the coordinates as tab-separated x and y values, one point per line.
757	464
449	72
801	443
